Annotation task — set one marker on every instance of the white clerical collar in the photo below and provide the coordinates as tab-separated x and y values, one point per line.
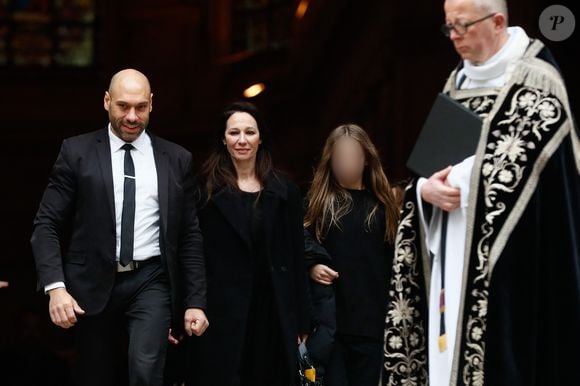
140	143
496	66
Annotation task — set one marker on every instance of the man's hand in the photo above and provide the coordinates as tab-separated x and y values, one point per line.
323	274
195	321
63	308
4	284
439	193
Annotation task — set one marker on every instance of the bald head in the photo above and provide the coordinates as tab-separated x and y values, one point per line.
130	79
128	101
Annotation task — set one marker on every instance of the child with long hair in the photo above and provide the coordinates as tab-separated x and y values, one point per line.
353	213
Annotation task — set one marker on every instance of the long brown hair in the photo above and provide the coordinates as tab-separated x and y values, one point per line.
218	170
328	201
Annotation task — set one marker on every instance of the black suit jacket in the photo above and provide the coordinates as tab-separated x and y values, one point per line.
74	234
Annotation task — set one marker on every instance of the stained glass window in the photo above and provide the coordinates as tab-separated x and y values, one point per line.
47	33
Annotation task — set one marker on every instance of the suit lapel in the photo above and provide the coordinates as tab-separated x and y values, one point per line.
229	204
162	166
104	159
274	193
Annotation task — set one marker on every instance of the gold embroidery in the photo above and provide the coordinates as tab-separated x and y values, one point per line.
511	149
480	105
404	344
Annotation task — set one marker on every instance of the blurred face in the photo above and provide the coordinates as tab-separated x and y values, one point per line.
128	102
481	40
348	161
242	137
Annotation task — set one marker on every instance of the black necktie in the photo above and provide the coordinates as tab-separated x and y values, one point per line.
128	215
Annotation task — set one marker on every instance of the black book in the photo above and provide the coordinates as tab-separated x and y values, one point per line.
450	134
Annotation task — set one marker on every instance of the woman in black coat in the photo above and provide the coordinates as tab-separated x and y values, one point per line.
251	220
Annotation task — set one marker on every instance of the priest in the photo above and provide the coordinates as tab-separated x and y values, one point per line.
486	278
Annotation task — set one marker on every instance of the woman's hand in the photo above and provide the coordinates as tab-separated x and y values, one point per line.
323	274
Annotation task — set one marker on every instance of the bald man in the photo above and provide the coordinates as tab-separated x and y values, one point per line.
487	277
117	244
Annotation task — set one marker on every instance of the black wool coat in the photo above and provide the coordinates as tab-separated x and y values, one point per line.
215	356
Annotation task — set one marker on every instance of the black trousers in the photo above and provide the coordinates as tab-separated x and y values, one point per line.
136	320
355	361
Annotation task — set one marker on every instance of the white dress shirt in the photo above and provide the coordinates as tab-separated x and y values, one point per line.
146	234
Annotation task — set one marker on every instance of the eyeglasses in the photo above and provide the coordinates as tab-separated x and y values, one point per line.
460	27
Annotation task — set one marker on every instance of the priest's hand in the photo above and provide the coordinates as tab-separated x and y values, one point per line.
63	308
195	321
323	274
437	191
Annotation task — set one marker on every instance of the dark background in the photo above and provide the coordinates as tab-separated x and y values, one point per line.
376	63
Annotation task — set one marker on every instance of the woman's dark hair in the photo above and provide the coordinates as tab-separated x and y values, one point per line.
218	170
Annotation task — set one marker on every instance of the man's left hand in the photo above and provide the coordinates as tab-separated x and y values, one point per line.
195	321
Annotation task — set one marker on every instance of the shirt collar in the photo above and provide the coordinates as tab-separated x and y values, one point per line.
497	65
142	141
